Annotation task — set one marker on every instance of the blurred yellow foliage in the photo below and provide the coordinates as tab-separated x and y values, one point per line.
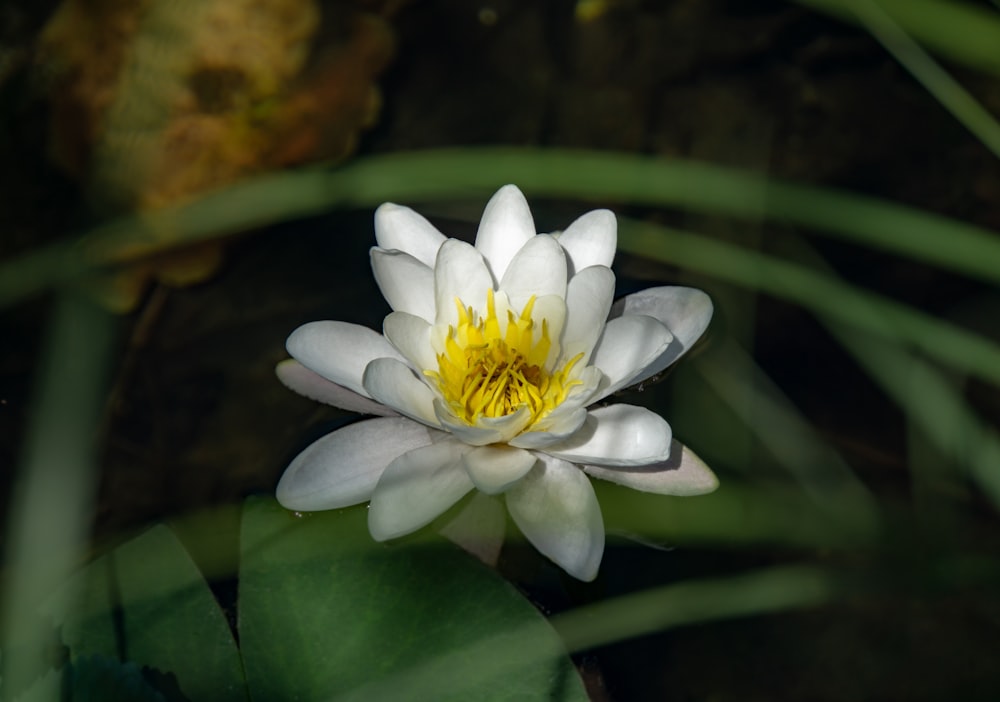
158	101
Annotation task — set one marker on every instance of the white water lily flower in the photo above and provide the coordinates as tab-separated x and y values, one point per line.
485	377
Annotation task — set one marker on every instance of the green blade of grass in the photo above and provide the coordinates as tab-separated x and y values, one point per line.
945	89
451	174
704	600
930	402
51	502
820	293
821	472
959	31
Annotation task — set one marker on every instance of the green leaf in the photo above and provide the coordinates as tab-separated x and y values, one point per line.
169	618
326	612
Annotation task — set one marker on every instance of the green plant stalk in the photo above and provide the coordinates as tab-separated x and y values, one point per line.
57	479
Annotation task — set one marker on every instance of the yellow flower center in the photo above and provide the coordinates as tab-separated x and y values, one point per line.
485	373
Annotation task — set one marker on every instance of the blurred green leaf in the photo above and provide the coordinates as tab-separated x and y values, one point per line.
702	600
51	501
932	403
736	514
961	31
450	174
892	23
323	610
818	292
169	618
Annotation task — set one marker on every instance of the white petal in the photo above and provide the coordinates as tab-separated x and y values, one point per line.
505	227
628	345
411	335
591	240
297	377
403	229
406	283
342	468
552	430
617	435
479	528
551	308
588	300
538	268
565	419
556	508
460	273
417	487
493	469
393	383
682	474
473	436
339	351
487	430
685	312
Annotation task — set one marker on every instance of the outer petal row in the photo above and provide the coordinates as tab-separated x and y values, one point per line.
682	474
628	345
686	312
416	488
297	377
342	468
339	351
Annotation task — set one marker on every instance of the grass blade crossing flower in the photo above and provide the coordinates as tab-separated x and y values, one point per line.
485	378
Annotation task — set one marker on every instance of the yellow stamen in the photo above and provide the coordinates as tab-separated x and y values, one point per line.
483	373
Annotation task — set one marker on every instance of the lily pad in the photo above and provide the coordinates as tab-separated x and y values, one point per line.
147	602
326	613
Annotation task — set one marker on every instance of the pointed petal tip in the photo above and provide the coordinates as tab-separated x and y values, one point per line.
556	508
509	190
506	225
343	467
683	474
402	229
296	377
